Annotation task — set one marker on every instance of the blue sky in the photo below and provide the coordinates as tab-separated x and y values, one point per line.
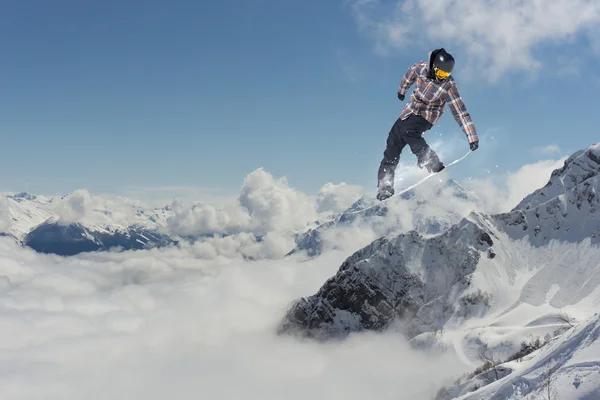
119	94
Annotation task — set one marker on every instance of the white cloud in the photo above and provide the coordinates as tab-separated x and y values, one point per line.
516	185
547	150
349	239
180	327
206	219
260	223
265	204
244	245
529	178
76	207
334	198
273	205
495	36
84	207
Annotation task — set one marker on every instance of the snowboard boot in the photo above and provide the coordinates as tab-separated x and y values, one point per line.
429	160
432	165
435	166
385	192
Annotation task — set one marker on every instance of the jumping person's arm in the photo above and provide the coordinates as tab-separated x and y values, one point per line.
461	115
408	79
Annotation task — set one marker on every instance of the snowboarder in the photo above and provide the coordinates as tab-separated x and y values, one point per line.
434	89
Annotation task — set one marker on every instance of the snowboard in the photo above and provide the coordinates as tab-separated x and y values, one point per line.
414	185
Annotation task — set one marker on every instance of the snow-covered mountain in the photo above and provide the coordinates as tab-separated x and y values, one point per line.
566	366
79	222
490	275
23	211
403	274
429	209
74	238
566	208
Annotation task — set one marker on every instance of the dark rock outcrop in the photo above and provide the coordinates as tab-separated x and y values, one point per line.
404	278
75	238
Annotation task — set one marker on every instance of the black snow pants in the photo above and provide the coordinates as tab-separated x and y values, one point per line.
405	132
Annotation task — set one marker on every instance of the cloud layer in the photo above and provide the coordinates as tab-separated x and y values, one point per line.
263	221
495	36
82	206
161	323
266	206
334	198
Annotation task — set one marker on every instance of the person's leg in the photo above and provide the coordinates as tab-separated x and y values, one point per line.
413	136
391	157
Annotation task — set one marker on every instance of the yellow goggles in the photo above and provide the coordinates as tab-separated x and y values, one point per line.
441	74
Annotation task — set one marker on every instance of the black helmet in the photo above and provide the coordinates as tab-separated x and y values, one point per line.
442	63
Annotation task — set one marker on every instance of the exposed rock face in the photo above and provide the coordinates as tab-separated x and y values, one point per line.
405	278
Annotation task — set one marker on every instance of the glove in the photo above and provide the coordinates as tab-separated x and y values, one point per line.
400	96
474	145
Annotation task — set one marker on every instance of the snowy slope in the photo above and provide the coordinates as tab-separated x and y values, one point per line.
532	292
566	367
23	211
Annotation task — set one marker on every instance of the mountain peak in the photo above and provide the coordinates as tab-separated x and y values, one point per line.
22	196
579	167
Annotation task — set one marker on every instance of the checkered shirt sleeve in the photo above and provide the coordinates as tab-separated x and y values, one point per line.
460	113
408	79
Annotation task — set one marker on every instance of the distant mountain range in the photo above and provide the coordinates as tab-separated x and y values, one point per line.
35	222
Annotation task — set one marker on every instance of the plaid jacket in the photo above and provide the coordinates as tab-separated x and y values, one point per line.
429	98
